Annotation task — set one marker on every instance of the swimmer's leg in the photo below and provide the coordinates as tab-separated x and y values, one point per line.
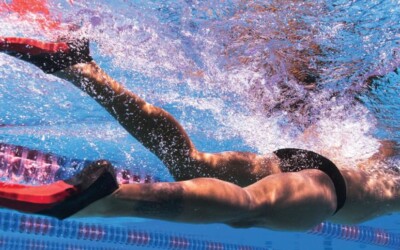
155	128
290	201
162	134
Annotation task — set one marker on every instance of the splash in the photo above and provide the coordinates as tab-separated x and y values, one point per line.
229	69
39	14
362	39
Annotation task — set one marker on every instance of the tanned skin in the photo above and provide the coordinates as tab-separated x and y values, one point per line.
241	189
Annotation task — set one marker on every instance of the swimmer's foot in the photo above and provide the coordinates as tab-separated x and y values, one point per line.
49	57
62	198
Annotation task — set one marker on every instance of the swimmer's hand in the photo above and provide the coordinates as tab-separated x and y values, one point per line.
49	57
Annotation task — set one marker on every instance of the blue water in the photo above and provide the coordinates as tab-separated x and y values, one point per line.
222	68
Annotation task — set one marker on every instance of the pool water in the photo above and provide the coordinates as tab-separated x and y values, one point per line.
229	72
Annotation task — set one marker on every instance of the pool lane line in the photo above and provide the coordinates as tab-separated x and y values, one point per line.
27	224
73	229
356	233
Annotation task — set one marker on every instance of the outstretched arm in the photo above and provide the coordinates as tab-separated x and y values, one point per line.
290	201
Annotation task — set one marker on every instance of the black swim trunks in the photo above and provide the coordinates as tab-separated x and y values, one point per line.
294	160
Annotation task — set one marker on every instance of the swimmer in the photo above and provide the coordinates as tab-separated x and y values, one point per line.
288	189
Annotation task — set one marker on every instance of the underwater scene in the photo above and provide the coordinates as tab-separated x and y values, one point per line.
248	76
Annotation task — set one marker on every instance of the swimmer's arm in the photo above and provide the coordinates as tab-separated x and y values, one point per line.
290	201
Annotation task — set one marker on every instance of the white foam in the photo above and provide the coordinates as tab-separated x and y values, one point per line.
233	61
